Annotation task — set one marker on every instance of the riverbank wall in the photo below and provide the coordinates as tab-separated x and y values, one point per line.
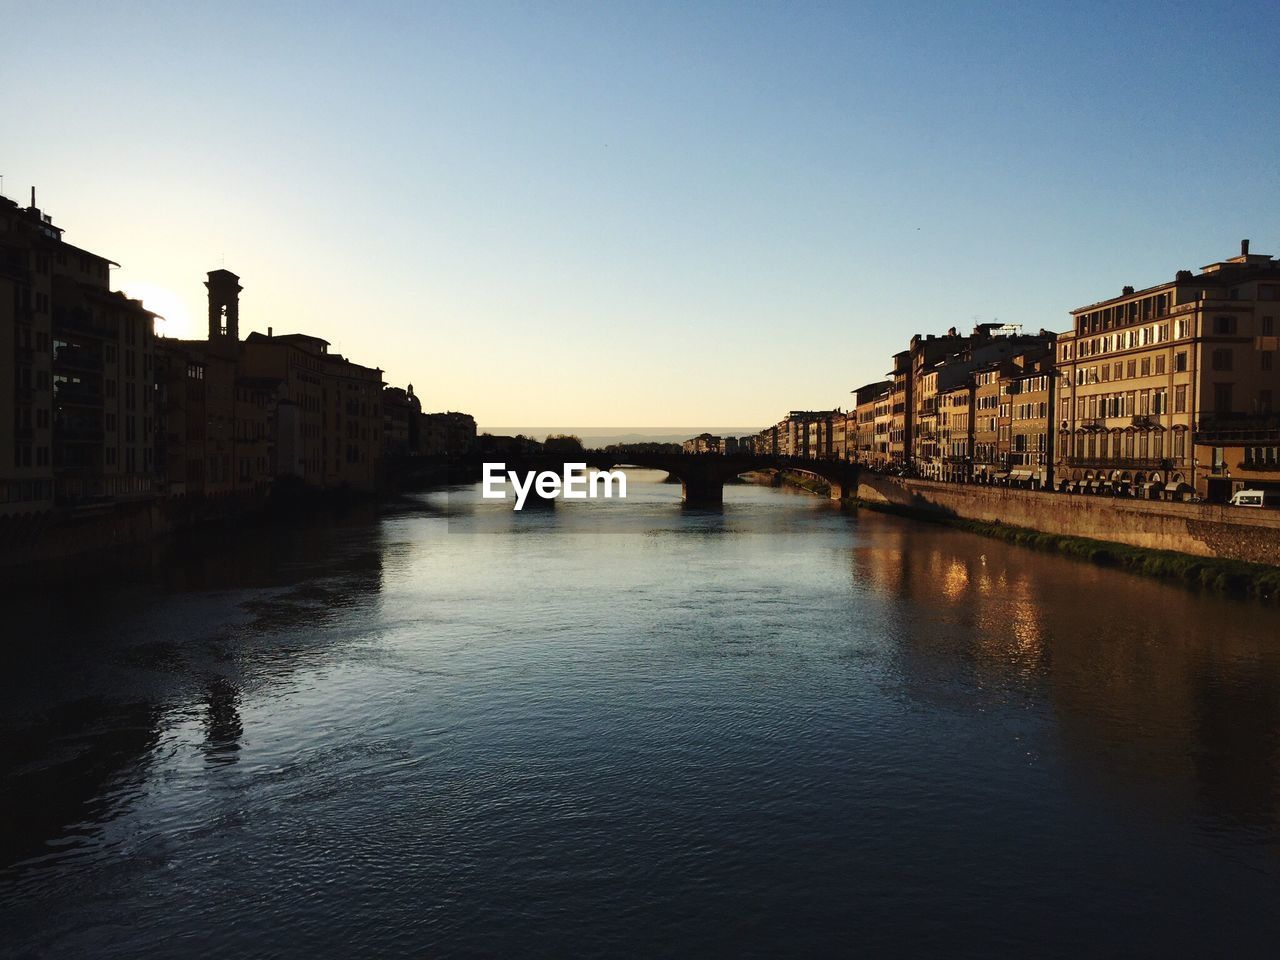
1196	529
57	536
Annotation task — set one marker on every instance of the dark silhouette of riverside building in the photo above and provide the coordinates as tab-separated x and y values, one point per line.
241	414
224	306
76	373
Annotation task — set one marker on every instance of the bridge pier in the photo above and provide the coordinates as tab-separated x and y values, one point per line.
700	490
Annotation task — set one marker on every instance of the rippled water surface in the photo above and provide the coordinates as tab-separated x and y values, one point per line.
628	729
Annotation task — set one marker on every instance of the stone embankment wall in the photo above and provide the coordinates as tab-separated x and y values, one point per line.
59	535
1204	530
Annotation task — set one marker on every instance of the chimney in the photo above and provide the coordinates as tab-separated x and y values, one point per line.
268	331
1124	292
1244	248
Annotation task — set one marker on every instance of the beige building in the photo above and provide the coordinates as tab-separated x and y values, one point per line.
871	407
924	429
955	431
938	373
842	428
987	463
1145	375
900	401
883	427
1031	382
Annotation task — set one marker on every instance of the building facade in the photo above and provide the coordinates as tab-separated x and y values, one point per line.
1146	376
77	360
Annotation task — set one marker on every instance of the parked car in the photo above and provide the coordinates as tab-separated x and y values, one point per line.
1249	498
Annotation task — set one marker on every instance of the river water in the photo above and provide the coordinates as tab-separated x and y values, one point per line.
623	728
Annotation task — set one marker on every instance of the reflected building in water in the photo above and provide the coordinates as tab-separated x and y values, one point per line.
78	739
1137	695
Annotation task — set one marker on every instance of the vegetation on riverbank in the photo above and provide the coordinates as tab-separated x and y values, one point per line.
1205	573
806	482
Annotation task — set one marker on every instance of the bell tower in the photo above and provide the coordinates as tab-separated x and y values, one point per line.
224	306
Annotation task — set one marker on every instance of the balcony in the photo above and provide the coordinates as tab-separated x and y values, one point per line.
78	431
73	358
81	395
1120	463
1224	432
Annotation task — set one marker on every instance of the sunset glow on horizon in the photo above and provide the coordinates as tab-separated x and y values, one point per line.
519	202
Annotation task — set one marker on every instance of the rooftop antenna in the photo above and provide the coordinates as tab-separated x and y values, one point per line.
33	196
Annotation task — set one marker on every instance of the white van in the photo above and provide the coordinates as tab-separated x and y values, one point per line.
1249	498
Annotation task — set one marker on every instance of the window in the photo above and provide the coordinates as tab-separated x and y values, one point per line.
1180	361
1222	397
1180	399
1267	357
1268	326
1221	359
1160	365
1224	326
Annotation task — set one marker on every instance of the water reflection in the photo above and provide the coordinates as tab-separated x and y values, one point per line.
223	727
1155	690
844	727
103	672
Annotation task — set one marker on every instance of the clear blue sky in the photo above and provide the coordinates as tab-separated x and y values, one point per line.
645	214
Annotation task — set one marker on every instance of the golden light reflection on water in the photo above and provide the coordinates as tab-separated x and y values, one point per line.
955	582
1142	677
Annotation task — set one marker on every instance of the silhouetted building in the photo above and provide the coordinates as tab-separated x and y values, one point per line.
401	422
332	434
76	417
240	414
451	434
219	425
490	445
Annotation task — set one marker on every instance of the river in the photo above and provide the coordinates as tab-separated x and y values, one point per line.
624	728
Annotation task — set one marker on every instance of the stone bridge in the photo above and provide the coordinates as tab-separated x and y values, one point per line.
702	476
